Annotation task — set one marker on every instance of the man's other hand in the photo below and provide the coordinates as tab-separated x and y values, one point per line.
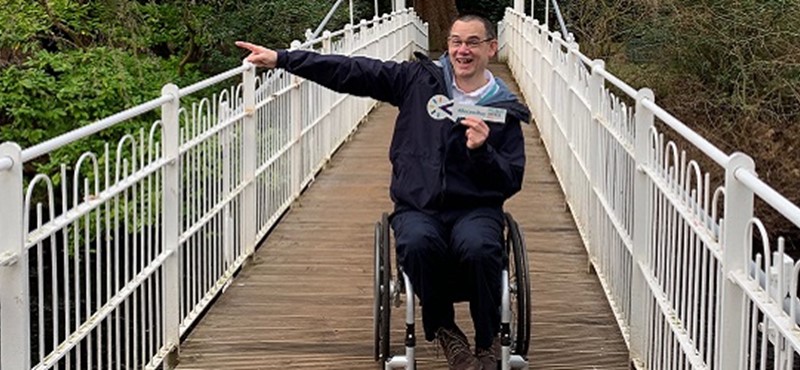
259	55
477	131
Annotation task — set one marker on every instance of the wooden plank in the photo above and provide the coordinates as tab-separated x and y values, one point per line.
305	300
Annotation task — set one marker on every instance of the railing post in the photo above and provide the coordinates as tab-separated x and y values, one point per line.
426	43
393	43
738	213
170	126
348	39
596	88
502	37
408	35
362	33
249	160
641	228
572	72
410	32
378	27
547	15
527	53
565	104
545	68
327	102
297	130
14	296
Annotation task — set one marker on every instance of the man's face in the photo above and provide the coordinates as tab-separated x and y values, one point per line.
469	50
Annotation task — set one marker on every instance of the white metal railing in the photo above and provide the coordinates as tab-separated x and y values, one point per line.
672	244
106	263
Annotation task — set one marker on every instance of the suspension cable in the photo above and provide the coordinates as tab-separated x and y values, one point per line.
564	31
328	18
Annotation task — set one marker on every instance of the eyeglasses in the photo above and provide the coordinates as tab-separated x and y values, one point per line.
472	42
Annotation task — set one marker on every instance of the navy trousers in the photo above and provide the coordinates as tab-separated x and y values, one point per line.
454	256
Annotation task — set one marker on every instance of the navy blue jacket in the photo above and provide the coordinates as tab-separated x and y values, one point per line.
432	168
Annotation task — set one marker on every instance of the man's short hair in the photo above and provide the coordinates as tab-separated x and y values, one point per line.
490	34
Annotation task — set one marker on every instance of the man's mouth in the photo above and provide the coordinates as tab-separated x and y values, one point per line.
463	61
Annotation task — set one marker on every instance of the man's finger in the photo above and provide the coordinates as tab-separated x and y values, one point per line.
470	122
476	124
246	45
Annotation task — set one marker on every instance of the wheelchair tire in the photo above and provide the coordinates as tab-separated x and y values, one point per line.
382	291
520	289
386	257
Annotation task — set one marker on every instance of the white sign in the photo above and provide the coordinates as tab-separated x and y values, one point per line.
440	107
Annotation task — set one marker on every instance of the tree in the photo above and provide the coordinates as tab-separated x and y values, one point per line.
438	14
493	10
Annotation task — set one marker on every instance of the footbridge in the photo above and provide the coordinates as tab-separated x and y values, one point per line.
230	226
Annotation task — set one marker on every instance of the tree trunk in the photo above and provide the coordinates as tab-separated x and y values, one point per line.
439	14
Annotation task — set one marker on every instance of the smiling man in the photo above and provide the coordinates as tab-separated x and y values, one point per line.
450	178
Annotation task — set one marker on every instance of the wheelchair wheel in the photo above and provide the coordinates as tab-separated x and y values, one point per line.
382	290
519	284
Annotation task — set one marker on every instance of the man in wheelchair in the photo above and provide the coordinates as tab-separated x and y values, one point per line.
450	178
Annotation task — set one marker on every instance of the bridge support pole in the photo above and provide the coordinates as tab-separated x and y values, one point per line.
172	202
639	298
14	294
735	249
519	6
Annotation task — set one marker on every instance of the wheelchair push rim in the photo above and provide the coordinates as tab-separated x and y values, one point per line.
382	291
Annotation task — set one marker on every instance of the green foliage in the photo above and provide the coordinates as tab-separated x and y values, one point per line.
605	28
729	69
748	50
66	63
270	23
19	25
53	93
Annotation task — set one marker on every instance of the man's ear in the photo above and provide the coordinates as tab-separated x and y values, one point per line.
493	45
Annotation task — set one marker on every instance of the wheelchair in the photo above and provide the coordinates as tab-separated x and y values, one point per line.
515	304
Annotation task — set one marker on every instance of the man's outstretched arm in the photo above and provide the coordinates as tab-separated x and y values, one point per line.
385	81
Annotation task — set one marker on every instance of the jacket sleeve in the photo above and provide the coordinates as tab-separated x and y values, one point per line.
502	167
361	76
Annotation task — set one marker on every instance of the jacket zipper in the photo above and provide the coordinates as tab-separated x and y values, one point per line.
438	73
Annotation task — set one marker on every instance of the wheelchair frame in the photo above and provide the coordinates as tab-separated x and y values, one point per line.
515	316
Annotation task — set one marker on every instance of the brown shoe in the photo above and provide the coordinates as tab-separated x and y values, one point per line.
489	357
456	349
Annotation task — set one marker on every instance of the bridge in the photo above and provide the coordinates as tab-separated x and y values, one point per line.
234	229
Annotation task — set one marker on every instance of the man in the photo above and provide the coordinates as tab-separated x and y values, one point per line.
449	179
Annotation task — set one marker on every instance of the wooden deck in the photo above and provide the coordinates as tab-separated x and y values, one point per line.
305	300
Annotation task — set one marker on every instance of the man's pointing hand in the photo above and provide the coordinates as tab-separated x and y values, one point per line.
259	55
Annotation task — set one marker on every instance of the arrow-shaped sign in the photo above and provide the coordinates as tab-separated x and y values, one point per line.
440	107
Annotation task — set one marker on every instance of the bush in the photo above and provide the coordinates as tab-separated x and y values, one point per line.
728	69
53	93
